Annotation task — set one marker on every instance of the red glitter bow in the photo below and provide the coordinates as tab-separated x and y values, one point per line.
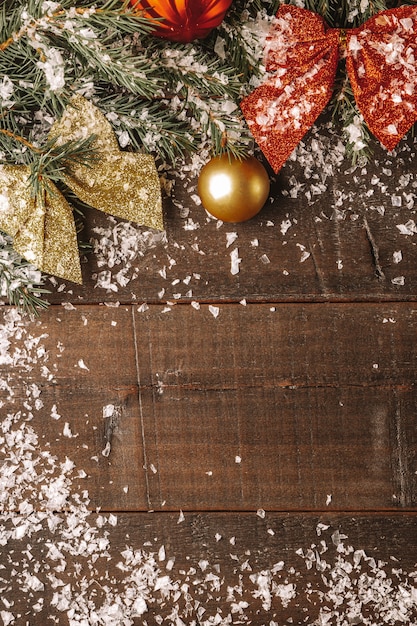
301	58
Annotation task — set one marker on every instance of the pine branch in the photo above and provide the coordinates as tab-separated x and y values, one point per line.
359	11
348	14
20	282
52	163
149	126
322	7
111	64
152	70
237	37
357	136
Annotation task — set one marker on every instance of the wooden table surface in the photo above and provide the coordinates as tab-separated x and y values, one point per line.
219	426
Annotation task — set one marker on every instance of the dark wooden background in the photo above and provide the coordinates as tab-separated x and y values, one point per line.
248	408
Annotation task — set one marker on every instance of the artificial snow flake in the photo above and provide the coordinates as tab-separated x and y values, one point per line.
304	253
285	226
214	310
355	134
409	228
398	280
235	261
7	617
6	91
67	432
231	238
106	450
53	66
109	410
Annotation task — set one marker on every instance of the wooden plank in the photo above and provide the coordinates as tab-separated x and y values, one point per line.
330	232
69	382
291	407
295	407
210	568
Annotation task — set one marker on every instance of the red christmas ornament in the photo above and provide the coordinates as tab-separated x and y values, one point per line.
183	20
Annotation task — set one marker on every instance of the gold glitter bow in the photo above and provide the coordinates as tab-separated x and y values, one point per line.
122	184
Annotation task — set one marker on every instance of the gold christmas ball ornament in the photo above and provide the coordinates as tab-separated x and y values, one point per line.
232	189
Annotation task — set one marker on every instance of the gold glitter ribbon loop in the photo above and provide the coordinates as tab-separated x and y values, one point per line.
42	229
301	58
122	184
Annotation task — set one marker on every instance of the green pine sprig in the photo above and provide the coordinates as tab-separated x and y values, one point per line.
355	131
346	14
20	282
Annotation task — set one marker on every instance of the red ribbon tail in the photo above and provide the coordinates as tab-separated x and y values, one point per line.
381	64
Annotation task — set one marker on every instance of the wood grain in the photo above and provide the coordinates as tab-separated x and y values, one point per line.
292	407
244	568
